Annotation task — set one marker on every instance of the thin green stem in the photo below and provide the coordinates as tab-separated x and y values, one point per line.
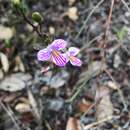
35	28
77	92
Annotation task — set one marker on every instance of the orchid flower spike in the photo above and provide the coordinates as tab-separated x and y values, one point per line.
71	56
52	53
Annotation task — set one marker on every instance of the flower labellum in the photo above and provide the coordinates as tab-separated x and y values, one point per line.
52	53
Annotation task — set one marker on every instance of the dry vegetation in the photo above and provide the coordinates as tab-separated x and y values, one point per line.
41	96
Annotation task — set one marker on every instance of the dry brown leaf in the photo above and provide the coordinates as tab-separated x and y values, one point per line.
84	106
73	124
129	114
22	107
33	104
4	62
101	92
104	108
44	90
71	2
19	64
26	117
9	97
1	74
22	99
73	13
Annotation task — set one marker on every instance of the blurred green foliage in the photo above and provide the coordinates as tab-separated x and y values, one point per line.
121	33
20	5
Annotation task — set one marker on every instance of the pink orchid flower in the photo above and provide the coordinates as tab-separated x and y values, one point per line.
71	56
52	53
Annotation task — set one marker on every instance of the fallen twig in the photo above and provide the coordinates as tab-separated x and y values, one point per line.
86	20
97	123
90	42
125	4
118	89
10	115
109	18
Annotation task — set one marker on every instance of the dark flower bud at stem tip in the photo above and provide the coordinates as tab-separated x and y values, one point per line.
37	17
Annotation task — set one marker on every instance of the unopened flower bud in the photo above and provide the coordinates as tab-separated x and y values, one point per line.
37	17
16	3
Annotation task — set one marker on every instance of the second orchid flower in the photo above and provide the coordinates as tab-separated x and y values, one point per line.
53	53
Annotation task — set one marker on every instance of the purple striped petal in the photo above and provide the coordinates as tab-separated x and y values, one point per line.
75	61
58	58
58	44
66	56
43	55
73	51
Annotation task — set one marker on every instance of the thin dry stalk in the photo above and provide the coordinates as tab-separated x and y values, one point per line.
88	17
118	89
87	45
126	5
109	18
10	115
97	123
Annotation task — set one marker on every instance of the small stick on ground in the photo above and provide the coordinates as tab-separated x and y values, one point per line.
10	115
109	18
88	17
97	123
118	89
126	5
48	125
87	45
84	114
108	22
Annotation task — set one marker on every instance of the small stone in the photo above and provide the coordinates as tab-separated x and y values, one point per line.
117	61
52	30
16	82
56	104
73	13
